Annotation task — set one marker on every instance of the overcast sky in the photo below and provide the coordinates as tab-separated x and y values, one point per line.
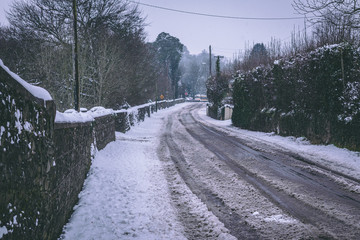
4	6
226	36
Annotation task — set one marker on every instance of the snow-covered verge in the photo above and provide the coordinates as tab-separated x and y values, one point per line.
125	195
334	158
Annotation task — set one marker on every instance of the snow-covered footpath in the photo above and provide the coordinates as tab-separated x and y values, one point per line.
126	193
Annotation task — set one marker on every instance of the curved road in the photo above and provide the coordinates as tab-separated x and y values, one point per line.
255	190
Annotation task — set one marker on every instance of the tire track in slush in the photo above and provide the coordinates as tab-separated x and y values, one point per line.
231	220
295	207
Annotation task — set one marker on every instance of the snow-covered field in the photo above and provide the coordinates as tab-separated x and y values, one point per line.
126	195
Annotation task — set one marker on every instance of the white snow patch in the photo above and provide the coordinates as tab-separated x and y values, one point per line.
3	231
28	127
18	125
348	119
15	220
2	130
280	219
34	90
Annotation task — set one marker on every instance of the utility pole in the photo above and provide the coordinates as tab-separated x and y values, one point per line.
76	61
210	60
156	96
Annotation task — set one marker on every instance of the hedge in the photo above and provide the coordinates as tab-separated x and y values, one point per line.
314	95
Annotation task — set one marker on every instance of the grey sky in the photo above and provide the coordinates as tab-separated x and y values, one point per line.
4	6
226	36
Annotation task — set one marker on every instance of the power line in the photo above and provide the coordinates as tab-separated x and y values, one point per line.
218	16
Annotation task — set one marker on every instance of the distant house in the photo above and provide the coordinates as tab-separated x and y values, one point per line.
201	98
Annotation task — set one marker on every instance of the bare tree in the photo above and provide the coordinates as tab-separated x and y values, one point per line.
332	32
335	20
333	11
115	63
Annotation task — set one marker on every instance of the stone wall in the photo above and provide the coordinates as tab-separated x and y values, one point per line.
124	119
74	145
104	130
44	162
122	123
27	160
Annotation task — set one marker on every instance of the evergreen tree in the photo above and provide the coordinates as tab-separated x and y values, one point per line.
169	51
217	87
258	55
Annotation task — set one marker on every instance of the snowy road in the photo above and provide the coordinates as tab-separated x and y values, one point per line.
258	191
180	175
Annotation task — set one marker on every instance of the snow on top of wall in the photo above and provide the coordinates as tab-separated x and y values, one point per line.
100	111
34	90
135	108
72	116
140	106
121	110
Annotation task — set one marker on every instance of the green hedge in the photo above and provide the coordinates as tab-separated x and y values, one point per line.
314	95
